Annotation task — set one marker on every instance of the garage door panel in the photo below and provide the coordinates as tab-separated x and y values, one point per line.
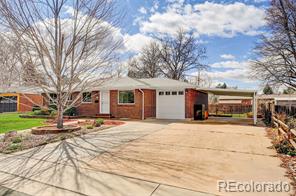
170	106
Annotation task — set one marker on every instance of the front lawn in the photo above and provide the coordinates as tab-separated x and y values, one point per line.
12	121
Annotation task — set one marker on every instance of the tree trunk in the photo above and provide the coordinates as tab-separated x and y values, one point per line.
60	117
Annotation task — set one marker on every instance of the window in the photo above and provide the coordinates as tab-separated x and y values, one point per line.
86	97
126	97
70	98
181	92
53	98
161	93
167	93
174	92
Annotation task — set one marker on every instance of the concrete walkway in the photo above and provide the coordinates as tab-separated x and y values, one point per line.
143	158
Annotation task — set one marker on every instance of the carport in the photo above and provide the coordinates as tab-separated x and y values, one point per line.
235	92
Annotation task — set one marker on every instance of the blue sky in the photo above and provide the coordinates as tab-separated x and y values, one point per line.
228	29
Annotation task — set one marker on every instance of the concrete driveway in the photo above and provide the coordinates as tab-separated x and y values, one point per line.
144	158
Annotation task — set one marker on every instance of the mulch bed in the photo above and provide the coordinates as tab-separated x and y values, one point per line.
113	122
288	162
18	141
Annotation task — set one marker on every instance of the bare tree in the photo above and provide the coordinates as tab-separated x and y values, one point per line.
147	65
134	68
69	42
180	54
277	50
170	57
10	66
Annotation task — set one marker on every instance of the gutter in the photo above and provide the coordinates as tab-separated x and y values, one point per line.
143	104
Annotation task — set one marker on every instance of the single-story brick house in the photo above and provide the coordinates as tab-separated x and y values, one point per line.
19	99
142	98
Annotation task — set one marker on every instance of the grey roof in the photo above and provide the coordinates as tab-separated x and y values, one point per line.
127	83
20	89
165	83
229	92
278	96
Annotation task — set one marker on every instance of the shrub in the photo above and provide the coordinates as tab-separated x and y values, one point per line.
89	127
250	114
53	113
52	108
14	146
284	147
100	121
291	122
35	107
37	112
16	140
71	112
43	111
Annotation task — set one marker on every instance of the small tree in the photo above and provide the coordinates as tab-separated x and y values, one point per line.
223	86
68	43
267	90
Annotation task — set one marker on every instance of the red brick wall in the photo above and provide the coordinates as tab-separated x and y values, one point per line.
27	101
192	97
89	109
150	103
133	111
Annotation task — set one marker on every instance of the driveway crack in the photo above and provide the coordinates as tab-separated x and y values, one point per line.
154	189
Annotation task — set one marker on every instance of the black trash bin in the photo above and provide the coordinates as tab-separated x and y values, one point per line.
199	111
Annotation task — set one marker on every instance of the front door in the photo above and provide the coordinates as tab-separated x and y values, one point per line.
104	102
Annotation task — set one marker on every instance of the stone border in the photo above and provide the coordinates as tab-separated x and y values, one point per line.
53	130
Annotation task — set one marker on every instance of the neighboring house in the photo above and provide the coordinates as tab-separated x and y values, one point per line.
141	98
279	100
277	103
19	99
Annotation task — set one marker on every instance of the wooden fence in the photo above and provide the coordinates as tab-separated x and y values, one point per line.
229	108
285	131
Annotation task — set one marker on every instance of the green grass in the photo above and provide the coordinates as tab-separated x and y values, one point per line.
12	121
239	115
234	115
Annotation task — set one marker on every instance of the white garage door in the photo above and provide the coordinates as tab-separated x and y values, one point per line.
170	104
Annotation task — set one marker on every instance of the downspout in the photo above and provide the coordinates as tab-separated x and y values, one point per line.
143	104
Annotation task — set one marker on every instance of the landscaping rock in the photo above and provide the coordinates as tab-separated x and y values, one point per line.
9	135
1	137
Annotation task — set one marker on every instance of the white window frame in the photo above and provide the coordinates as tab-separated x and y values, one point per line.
82	100
126	103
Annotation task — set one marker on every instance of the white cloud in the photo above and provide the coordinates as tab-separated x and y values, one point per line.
236	71
227	56
142	10
155	6
208	18
136	42
230	64
260	1
233	74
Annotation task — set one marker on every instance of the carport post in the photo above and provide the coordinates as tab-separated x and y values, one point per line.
254	108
